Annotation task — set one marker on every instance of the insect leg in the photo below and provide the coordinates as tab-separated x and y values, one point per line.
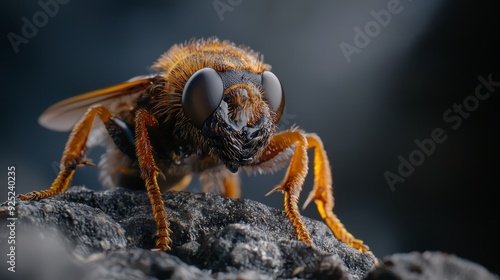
231	184
322	194
223	180
149	173
295	175
74	154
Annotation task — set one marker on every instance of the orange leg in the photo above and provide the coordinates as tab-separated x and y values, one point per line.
224	181
294	179
74	154
322	194
231	184
149	173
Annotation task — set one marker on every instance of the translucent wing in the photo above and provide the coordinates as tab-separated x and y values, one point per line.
63	115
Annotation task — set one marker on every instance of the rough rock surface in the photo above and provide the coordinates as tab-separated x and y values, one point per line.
109	234
429	265
85	234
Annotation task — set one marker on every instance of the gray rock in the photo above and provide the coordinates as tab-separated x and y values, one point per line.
109	234
86	235
429	266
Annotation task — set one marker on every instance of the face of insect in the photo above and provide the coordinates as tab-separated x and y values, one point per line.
237	111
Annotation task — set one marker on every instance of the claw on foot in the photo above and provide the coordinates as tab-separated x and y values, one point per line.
162	244
85	162
275	189
35	195
358	245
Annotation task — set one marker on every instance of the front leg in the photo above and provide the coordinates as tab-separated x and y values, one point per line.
295	175
322	192
149	173
74	154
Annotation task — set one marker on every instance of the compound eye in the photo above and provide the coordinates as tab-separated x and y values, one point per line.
274	93
202	95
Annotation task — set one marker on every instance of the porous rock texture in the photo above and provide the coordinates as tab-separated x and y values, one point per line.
85	234
429	265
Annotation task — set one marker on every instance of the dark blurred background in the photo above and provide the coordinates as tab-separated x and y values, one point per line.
369	107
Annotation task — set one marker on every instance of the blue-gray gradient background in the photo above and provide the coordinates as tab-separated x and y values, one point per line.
395	89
